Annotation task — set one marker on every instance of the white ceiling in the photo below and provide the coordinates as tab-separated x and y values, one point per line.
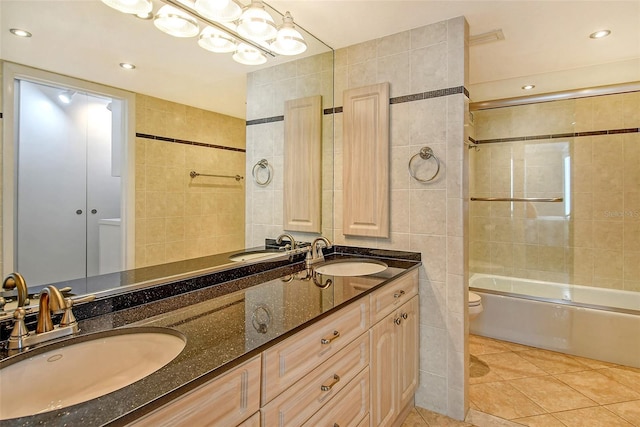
546	44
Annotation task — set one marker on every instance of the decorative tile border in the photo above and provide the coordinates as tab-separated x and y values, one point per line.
183	141
265	120
556	135
397	100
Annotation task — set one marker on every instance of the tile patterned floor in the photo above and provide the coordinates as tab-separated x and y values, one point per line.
515	385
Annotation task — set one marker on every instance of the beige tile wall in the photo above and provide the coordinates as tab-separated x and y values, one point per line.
597	245
267	91
428	218
178	217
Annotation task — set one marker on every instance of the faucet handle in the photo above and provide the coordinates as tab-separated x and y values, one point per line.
19	331
68	318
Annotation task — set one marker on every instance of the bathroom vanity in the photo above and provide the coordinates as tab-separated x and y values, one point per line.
280	346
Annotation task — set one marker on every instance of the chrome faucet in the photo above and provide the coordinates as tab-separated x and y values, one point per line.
51	302
315	255
292	242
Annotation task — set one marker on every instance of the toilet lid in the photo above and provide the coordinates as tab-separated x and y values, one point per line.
474	299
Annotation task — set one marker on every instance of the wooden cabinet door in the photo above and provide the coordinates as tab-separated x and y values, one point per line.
384	367
365	167
303	164
408	347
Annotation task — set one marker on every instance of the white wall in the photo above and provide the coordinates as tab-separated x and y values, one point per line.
64	155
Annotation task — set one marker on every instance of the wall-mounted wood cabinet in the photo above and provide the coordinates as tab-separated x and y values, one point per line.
303	164
365	169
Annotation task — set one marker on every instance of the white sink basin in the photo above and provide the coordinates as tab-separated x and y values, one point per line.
351	267
255	256
83	368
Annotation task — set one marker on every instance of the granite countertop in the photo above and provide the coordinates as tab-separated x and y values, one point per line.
225	324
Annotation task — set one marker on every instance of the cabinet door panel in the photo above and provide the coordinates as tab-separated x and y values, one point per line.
408	340
365	169
302	164
384	368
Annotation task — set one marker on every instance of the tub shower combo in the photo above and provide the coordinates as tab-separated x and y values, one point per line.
555	224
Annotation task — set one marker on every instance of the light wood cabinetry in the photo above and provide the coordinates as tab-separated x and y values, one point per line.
287	362
356	367
351	406
394	350
365	168
303	164
392	296
235	396
306	397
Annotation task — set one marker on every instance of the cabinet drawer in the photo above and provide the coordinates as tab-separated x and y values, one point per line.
307	396
348	408
225	401
393	295
288	361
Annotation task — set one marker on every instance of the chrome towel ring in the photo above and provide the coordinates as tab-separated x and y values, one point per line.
262	164
425	153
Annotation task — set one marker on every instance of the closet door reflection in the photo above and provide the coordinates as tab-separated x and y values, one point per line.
56	231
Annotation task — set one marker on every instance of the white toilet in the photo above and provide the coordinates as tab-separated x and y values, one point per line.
475	305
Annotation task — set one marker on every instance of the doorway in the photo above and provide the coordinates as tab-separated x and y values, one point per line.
65	196
68	170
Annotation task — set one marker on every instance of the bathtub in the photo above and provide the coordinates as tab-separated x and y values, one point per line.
590	322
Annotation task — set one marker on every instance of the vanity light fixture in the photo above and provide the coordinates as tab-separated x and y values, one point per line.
528	87
248	55
133	7
20	33
288	41
249	32
256	23
217	41
127	66
219	10
600	34
66	96
175	22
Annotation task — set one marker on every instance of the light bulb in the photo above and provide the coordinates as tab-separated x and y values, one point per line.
175	22
248	55
130	6
217	41
219	10
288	40
256	23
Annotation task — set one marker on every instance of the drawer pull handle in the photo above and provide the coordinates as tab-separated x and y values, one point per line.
335	335
334	381
405	316
397	321
398	294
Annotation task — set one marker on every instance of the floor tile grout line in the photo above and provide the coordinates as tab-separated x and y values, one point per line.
597	367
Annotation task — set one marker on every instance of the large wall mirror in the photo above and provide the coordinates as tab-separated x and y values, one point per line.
190	110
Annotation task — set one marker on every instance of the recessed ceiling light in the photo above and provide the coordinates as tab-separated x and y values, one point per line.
600	34
528	87
20	33
127	66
